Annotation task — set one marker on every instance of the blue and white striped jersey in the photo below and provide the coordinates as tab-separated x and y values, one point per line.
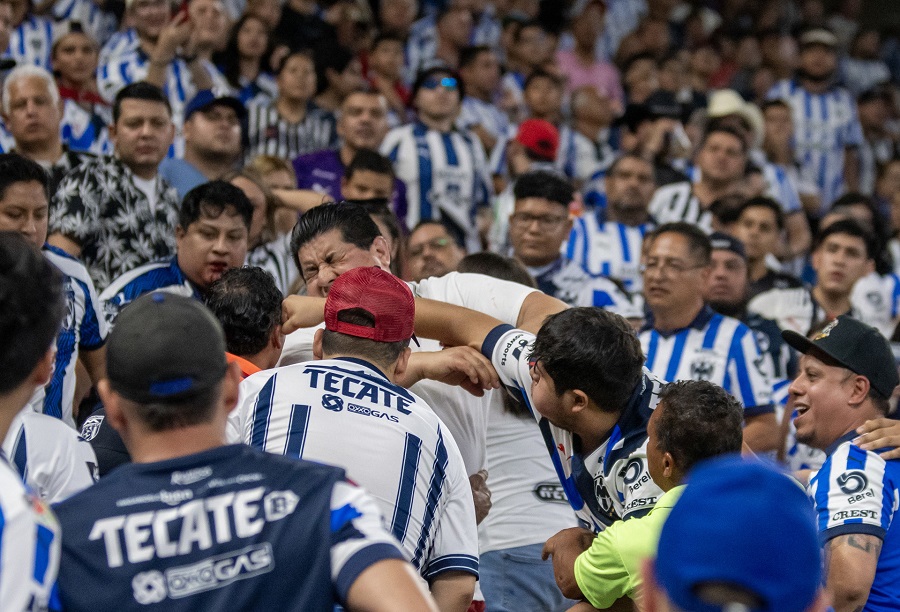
824	126
486	114
275	257
780	186
876	301
716	348
677	202
566	280
612	482
345	412
84	131
99	24
117	45
608	248
30	551
32	41
269	134
83	329
159	276
227	528
445	175
52	459
856	491
577	157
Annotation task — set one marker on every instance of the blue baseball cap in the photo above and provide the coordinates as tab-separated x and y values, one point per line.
206	98
744	524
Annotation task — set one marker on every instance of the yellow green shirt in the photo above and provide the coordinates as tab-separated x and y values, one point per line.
611	567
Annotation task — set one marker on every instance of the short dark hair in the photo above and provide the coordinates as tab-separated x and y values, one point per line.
385	37
698	242
247	303
592	350
621	158
849	227
699	420
373	161
726	210
496	265
468	55
351	219
165	416
17	169
141	90
211	200
524	25
379	353
31	308
540	73
330	56
424	75
764	202
299	52
724	129
543	184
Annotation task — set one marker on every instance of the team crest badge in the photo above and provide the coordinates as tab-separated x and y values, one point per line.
91	427
826	330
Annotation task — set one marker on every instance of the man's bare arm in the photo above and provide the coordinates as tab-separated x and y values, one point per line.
387	586
535	310
851	561
565	547
453	591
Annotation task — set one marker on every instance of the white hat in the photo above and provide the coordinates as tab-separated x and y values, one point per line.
819	36
724	102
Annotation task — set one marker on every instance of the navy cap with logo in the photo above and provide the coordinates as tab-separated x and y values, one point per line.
165	348
723	242
206	98
856	346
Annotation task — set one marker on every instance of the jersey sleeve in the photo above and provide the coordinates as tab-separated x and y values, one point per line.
509	350
745	378
358	539
601	573
494	297
853	494
94	327
630	486
456	539
73	471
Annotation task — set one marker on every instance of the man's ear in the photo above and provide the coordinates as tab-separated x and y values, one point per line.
402	362
277	338
860	391
578	400
43	370
317	343
381	252
668	464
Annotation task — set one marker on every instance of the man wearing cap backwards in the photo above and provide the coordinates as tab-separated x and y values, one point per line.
394	445
684	339
212	142
740	539
538	226
722	161
847	374
827	132
196	525
444	169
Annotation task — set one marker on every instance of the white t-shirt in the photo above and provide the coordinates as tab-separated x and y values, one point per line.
149	188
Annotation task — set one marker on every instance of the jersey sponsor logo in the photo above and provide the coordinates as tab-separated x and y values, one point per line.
91	427
148	587
358	388
332	403
199	524
191	476
640	502
843	515
363	410
550	492
634	476
852	482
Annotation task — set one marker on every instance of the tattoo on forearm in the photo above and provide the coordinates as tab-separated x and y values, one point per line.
866	544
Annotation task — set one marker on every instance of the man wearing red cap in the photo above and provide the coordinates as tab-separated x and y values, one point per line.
347	409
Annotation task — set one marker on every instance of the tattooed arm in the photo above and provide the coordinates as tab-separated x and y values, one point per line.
850	562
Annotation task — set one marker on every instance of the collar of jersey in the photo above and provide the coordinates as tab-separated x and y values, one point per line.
847	437
364	363
700	322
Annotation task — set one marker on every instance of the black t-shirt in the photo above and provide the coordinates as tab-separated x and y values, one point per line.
106	442
773	280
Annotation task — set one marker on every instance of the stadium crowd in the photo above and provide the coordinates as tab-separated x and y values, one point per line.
450	305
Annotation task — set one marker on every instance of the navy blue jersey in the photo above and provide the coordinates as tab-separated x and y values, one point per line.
230	528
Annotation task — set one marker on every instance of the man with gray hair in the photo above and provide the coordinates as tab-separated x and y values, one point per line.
33	113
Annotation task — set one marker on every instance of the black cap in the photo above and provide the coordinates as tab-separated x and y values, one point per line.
855	346
723	242
165	348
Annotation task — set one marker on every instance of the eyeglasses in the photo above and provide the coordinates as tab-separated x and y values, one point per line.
545	223
676	268
435	244
434	83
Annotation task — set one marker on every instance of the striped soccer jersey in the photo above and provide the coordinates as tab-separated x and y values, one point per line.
160	276
876	301
677	202
612	482
608	248
98	23
716	348
83	328
824	126
445	175
857	492
51	458
29	546
486	114
347	413
269	134
32	41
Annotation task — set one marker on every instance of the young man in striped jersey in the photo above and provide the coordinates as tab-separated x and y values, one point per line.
827	133
607	240
684	339
211	238
393	444
847	374
444	169
32	307
479	68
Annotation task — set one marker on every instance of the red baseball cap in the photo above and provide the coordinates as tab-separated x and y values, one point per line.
379	293
540	137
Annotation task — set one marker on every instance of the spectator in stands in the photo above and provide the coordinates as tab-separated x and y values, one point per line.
116	213
385	74
479	68
75	55
397	16
370	176
580	65
881	140
291	125
431	251
338	74
33	112
211	238
863	69
212	142
245	60
32	36
684	339
653	130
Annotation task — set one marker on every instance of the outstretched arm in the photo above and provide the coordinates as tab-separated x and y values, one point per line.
389	585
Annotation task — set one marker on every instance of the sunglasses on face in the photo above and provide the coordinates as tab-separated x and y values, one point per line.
435	82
